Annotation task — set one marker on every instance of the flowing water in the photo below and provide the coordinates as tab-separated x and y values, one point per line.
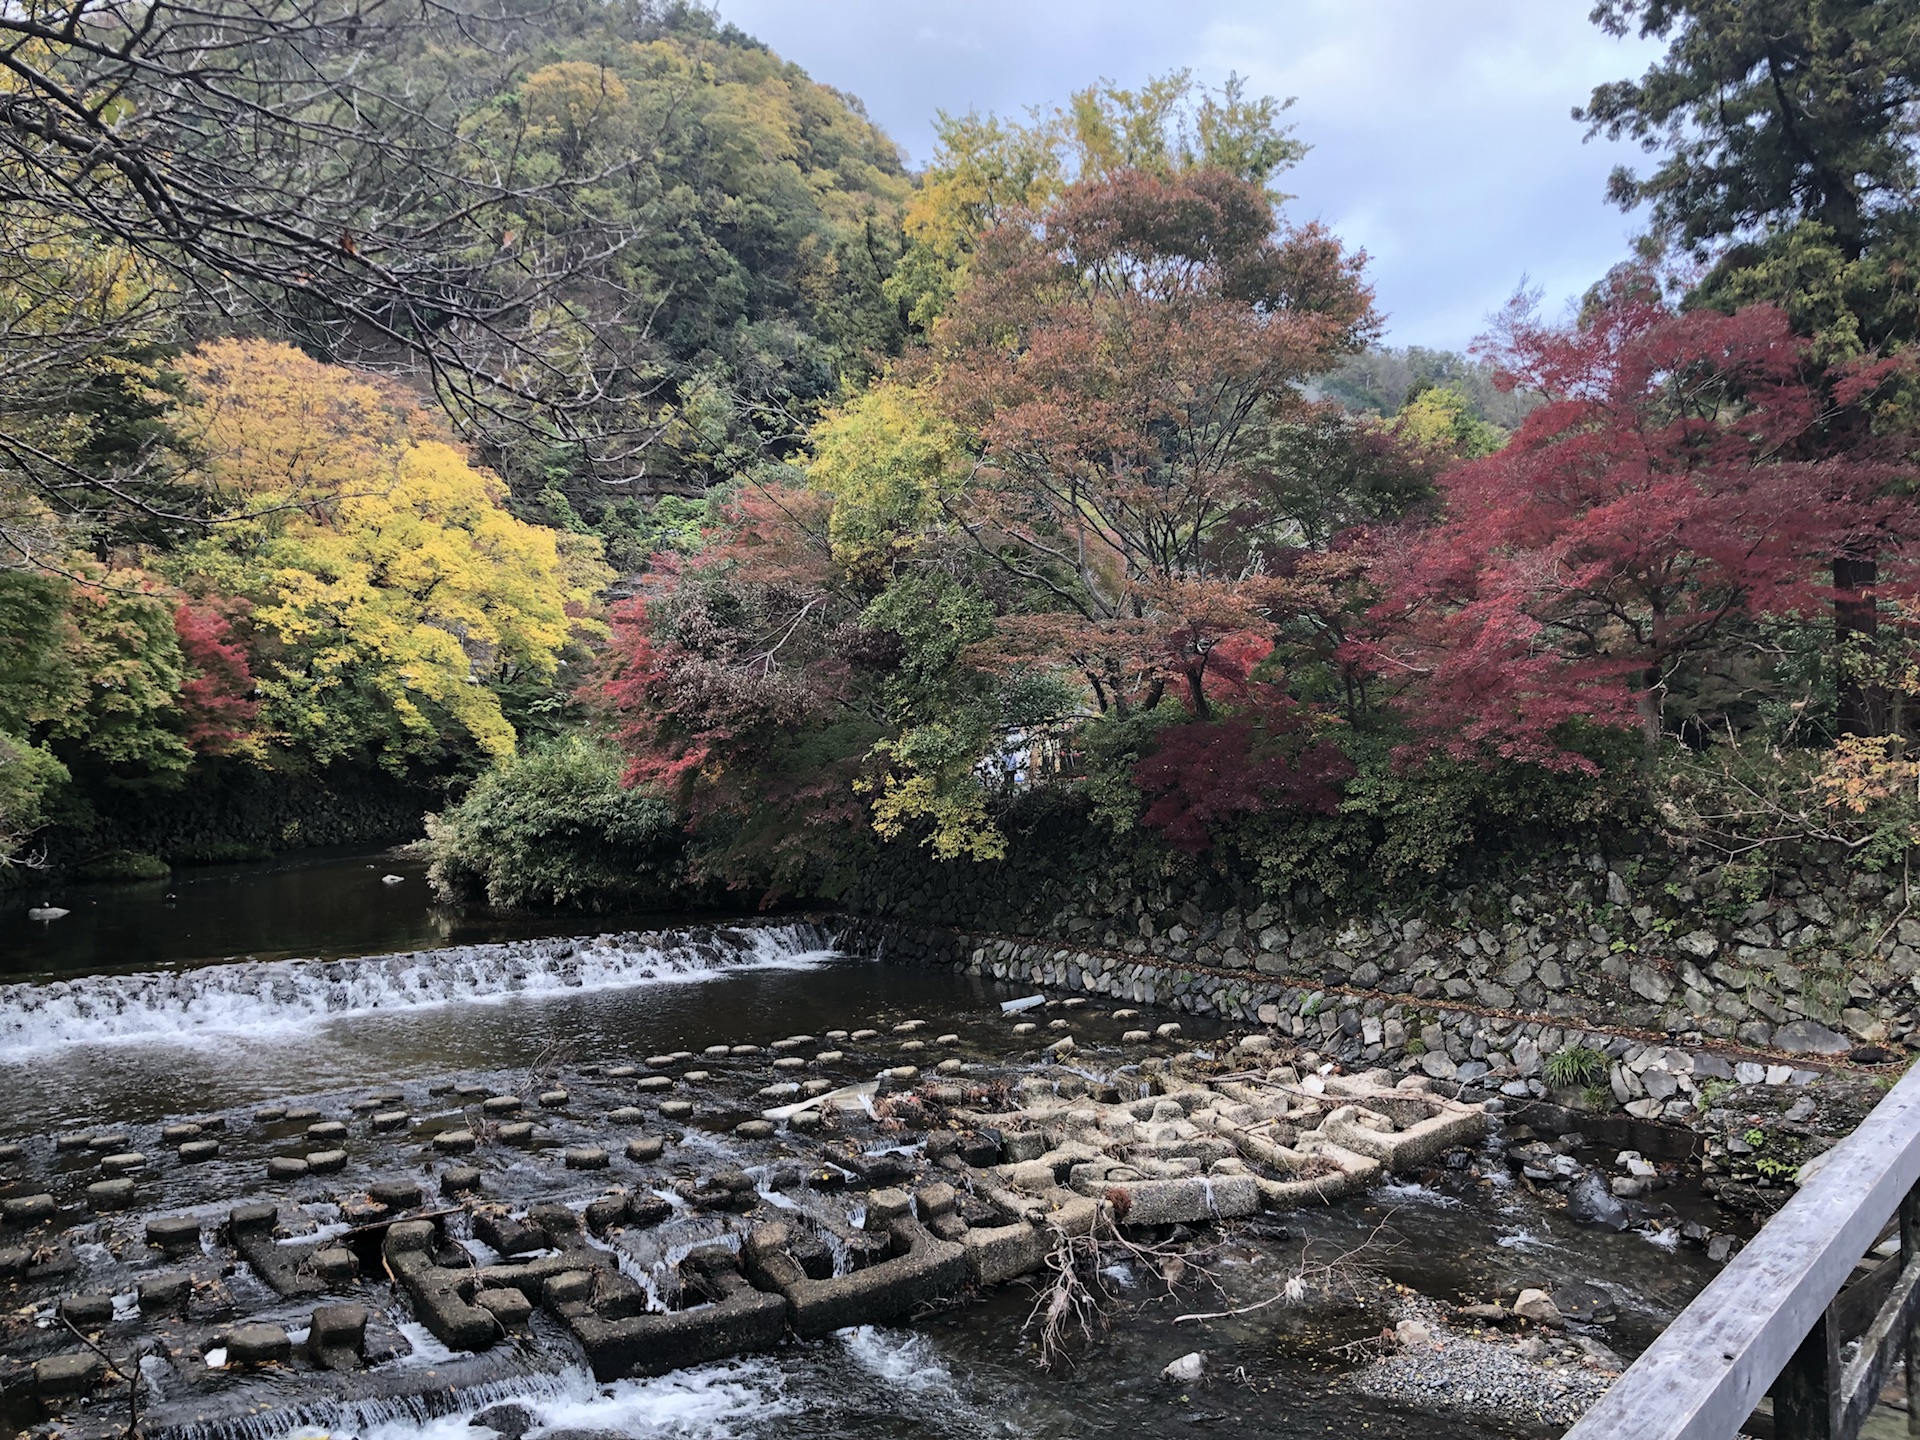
148	1003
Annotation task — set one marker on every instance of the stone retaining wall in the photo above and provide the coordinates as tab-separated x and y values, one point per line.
1651	1075
1819	961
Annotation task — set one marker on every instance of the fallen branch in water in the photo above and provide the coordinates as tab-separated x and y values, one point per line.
1308	1278
1074	1303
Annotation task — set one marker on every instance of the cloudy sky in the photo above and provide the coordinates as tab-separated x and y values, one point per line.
1440	133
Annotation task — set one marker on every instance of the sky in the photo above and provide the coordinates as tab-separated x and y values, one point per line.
1440	133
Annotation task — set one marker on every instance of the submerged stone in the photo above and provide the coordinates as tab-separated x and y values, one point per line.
110	1194
258	1345
174	1232
72	1374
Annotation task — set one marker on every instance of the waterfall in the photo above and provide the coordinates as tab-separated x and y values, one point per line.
252	997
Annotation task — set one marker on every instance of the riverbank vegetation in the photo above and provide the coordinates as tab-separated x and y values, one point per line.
754	503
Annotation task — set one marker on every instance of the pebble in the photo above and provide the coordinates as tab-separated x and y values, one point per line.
1482	1377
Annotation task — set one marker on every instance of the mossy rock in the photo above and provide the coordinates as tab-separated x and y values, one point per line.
124	865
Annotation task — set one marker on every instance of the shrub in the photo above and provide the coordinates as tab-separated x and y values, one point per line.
553	825
124	865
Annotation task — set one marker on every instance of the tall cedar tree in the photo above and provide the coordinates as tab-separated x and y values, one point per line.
1768	109
1128	361
1647	502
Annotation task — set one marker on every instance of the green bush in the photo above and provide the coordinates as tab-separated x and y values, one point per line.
124	865
554	826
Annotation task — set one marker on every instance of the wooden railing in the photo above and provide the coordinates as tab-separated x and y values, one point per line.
1785	1312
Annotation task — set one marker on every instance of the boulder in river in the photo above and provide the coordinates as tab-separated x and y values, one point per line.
1187	1369
1538	1306
1591	1202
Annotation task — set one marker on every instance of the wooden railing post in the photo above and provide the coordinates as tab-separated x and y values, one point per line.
1804	1395
1909	1256
1779	1312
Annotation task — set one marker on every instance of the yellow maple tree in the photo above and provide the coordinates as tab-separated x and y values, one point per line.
392	589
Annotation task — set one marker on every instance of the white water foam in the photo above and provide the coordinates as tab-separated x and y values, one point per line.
252	997
904	1360
711	1402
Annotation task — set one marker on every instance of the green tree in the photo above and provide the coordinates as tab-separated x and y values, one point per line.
554	825
1787	131
1768	110
1790	131
984	169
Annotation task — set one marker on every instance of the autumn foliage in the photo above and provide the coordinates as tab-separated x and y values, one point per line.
1670	489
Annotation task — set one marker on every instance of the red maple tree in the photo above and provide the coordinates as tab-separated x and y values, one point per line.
1652	498
217	710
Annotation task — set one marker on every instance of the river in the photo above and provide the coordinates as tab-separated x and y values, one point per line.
198	995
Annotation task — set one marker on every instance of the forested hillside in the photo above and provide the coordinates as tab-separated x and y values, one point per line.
578	421
265	508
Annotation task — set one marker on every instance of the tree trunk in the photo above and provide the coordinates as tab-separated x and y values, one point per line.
1647	706
1856	632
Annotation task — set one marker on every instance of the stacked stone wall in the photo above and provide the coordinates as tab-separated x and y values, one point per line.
1677	973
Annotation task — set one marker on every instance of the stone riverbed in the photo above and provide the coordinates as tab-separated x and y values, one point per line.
501	1190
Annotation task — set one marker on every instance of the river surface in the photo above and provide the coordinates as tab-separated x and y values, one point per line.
152	1002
